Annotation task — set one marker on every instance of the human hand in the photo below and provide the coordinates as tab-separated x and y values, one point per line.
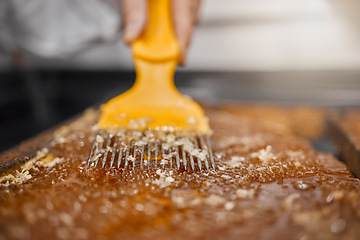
185	15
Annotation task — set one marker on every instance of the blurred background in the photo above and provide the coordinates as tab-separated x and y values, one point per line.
58	57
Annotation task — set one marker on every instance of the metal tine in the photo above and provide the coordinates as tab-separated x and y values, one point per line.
159	153
177	157
115	145
163	156
97	157
149	156
134	155
210	152
205	148
184	157
127	154
120	157
107	150
138	152
142	150
99	148
198	159
192	163
92	152
168	152
155	156
170	158
168	162
113	151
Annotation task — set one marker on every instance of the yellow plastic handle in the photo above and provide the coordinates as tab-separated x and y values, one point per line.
158	41
154	96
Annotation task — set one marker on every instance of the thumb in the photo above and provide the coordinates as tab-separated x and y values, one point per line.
135	15
183	23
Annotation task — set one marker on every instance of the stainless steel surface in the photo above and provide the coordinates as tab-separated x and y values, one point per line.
336	89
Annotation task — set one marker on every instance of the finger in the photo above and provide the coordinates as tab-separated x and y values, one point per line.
135	15
183	24
196	11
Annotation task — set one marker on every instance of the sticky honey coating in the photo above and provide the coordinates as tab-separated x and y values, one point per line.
270	184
